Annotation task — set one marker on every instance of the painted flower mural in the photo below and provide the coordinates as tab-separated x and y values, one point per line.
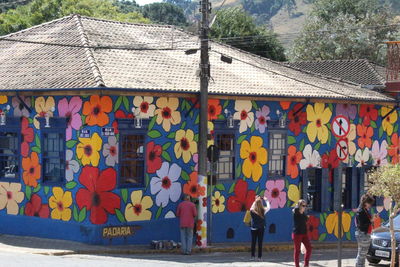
362	156
27	136
293	160
388	122
379	153
368	113
394	148
167	113
242	198
332	225
330	161
347	110
275	193
318	116
96	110
262	118
192	187
10	197
88	150
165	185
138	209
19	104
243	114
119	114
110	151
214	109
32	169
311	159
42	107
365	134
60	203
254	156
312	227
185	145
217	202
351	136
96	196
70	110
297	118
36	208
71	166
145	106
293	194
153	157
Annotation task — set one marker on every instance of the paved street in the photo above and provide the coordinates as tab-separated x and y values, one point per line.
325	258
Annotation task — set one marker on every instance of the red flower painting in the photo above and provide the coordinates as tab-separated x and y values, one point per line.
330	161
297	118
96	197
368	113
214	109
242	198
153	157
119	114
312	228
27	137
36	208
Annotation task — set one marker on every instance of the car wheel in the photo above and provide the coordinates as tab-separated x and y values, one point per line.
373	261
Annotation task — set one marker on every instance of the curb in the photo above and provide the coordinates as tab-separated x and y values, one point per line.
234	248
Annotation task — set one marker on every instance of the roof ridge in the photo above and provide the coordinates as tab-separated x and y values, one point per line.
383	79
128	23
326	60
89	55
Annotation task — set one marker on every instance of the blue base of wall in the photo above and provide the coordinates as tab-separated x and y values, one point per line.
90	234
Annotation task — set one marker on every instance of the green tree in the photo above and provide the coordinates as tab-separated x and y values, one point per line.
164	13
345	29
385	182
237	28
127	6
40	11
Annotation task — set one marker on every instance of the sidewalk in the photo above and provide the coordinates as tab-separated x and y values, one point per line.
44	246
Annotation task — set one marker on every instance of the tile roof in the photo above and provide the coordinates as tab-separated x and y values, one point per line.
149	57
359	71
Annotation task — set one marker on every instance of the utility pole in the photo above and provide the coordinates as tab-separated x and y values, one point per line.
203	131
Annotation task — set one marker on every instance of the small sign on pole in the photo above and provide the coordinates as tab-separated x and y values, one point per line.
340	126
342	149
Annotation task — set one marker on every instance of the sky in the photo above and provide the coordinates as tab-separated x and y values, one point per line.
145	2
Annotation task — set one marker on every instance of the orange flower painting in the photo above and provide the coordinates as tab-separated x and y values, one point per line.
32	169
96	110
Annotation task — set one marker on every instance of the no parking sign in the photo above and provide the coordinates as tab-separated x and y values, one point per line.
340	126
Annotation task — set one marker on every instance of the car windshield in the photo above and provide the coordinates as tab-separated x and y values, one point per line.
396	222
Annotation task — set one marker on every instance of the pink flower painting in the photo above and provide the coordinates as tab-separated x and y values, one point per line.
70	110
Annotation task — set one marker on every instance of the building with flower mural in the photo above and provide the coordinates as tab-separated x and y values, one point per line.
99	131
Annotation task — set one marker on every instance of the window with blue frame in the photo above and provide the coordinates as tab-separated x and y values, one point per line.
312	188
131	154
224	140
10	135
277	152
53	150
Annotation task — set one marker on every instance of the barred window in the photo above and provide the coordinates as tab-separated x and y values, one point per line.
226	162
131	159
9	153
277	153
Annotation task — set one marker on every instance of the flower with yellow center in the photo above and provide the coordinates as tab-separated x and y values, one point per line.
138	209
254	155
332	223
294	194
42	107
88	150
10	197
60	203
167	113
217	202
3	99
387	123
185	146
318	116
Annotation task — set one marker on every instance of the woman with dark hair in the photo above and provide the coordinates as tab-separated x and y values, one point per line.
364	228
257	212
300	233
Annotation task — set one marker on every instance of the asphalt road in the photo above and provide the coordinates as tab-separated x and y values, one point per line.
320	258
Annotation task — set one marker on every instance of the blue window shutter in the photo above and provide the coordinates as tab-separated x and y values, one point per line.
355	188
361	175
304	181
325	194
337	187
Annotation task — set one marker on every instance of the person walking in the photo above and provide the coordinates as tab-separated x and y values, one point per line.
363	228
187	213
257	225
300	233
